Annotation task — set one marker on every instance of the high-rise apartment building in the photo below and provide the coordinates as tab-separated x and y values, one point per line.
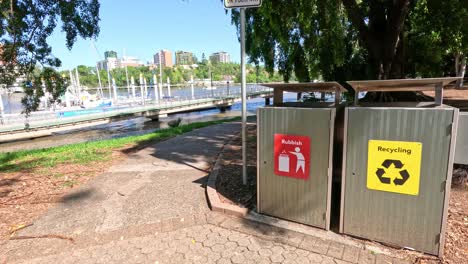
184	58
220	57
165	56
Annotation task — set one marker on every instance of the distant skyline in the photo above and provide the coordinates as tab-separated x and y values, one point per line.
143	29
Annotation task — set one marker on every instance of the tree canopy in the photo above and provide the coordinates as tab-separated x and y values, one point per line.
177	75
25	26
350	39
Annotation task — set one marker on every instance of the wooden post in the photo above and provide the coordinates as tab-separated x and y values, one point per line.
277	97
439	94
337	96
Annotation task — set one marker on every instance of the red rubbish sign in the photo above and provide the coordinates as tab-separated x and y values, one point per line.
292	156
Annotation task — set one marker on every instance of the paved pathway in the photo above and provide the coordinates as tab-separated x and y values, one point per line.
151	208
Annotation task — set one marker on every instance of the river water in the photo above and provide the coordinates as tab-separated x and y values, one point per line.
136	126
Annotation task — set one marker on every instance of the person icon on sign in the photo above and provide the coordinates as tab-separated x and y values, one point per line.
300	159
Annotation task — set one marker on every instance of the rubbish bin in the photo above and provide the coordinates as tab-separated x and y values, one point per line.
295	151
397	166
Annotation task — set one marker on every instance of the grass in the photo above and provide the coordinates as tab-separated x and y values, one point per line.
83	153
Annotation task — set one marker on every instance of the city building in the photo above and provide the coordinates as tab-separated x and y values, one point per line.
220	57
184	58
166	58
130	62
110	63
110	54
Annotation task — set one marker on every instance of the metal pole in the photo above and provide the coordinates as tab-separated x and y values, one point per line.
78	81
99	79
108	80
160	73
211	83
160	88
191	86
126	76
168	87
244	98
72	83
145	91
141	88
115	89
126	71
155	84
133	88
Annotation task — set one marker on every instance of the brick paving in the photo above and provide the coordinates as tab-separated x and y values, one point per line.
206	238
152	209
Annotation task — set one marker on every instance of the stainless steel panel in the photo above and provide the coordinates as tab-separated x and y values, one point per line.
303	201
399	219
461	148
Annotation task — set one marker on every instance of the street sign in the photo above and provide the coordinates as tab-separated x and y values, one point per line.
292	156
394	166
242	3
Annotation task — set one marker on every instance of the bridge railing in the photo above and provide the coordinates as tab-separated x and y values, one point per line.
126	104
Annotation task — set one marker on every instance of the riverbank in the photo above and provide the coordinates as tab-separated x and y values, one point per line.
34	180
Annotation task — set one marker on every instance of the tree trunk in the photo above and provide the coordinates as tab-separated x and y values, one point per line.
379	31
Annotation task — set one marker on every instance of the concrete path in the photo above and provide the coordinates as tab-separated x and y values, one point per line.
152	208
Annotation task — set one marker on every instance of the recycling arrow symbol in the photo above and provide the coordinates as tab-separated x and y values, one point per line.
398	165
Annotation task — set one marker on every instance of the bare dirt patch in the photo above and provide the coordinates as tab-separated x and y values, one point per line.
232	191
229	184
27	194
456	244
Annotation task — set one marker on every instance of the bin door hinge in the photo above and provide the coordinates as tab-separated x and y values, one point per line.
443	186
449	129
437	239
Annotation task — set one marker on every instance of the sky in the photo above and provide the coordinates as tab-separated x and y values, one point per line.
143	27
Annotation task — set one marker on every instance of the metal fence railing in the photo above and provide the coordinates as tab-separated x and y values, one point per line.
122	106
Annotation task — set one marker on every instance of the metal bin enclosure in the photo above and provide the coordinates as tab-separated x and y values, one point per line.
461	151
397	170
301	199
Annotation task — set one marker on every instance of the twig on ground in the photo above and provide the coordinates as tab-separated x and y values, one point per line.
33	202
13	230
18	197
44	236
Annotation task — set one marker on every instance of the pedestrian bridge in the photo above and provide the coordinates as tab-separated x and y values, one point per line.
19	123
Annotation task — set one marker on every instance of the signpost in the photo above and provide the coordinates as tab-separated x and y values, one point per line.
243	4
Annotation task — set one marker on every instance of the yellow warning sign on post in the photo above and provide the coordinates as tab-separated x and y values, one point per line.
394	166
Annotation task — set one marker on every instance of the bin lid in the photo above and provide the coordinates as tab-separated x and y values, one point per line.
307	87
401	85
404	85
279	88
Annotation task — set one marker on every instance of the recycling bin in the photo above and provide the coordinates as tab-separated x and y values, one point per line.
397	166
295	154
461	151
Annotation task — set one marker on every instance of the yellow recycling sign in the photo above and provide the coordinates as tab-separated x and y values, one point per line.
394	166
